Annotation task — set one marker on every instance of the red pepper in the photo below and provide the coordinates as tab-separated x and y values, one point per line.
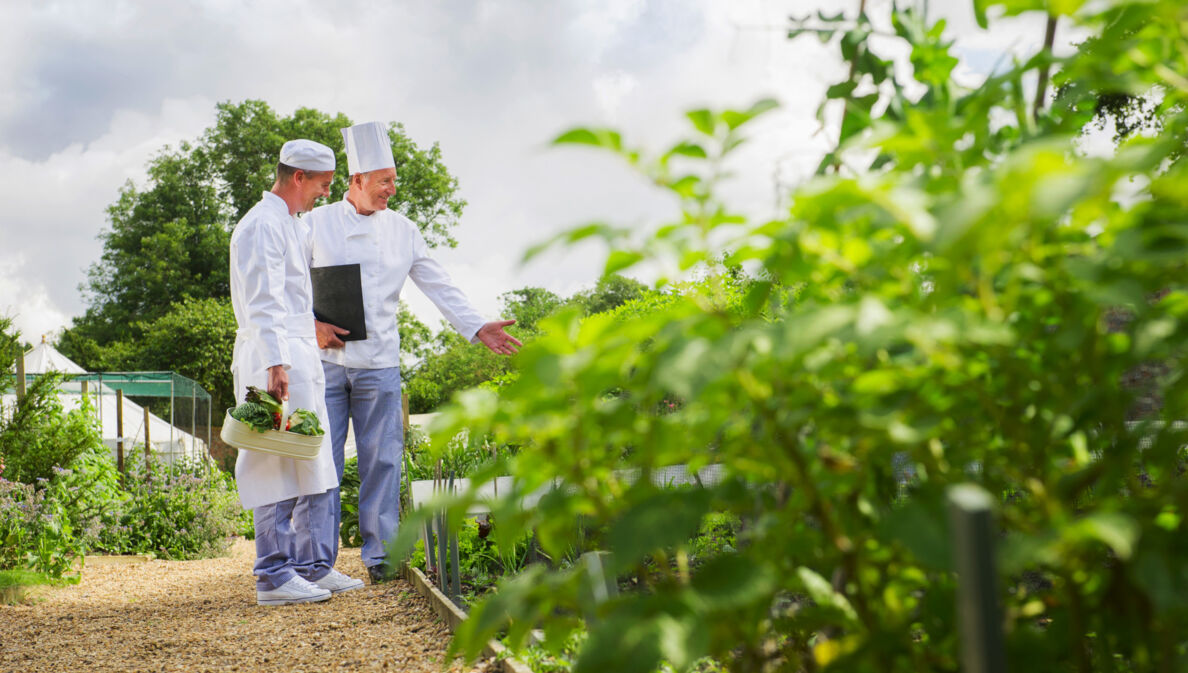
276	418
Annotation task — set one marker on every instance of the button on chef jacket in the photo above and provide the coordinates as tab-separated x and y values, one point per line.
388	247
273	303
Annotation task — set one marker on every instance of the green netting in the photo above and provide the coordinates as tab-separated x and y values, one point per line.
144	384
180	401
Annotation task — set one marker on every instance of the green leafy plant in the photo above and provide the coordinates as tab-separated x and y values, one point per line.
184	511
957	270
256	416
34	533
348	530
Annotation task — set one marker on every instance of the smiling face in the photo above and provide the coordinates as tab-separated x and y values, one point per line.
313	186
370	191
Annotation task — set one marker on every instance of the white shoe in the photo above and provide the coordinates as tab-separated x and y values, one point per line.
336	582
296	590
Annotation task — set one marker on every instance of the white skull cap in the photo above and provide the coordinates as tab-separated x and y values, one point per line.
307	155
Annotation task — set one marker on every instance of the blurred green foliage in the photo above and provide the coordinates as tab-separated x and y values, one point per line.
958	296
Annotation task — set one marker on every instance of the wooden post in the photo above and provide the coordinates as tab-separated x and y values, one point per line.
20	375
970	511
120	430
1041	85
404	411
147	440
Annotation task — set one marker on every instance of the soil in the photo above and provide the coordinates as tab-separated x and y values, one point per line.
202	616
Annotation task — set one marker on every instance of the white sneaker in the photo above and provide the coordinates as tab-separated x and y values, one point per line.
336	582
296	590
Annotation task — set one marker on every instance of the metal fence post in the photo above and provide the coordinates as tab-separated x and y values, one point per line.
148	442
970	511
455	570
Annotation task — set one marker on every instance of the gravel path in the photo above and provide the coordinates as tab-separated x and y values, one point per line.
202	616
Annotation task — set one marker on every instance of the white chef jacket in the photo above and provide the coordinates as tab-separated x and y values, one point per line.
388	248
273	303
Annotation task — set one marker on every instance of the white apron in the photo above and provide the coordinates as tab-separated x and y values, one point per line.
273	302
264	478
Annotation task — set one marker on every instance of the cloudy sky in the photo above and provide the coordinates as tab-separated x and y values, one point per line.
92	90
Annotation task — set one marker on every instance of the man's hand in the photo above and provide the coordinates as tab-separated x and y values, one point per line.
499	341
278	382
328	335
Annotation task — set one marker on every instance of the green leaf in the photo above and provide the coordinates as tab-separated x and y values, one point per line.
922	527
598	137
841	90
819	589
703	120
735	119
686	186
619	260
1116	530
732	581
662	520
687	149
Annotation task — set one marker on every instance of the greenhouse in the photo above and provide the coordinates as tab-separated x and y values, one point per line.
171	410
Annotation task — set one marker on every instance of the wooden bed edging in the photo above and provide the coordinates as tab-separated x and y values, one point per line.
452	615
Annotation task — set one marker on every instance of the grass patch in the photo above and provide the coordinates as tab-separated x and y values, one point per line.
15	583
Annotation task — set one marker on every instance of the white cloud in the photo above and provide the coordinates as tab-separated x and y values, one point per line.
610	90
31	309
92	91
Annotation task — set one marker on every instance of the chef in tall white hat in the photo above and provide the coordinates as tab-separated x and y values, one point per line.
363	376
276	349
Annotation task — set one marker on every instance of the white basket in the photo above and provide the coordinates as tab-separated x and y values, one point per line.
277	442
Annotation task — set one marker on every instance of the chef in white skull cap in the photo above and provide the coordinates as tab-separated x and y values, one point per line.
276	349
363	376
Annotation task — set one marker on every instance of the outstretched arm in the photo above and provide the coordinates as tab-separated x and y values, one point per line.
499	341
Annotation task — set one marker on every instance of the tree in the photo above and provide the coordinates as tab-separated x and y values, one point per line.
1113	102
165	243
609	293
528	305
416	341
458	365
951	325
195	339
10	343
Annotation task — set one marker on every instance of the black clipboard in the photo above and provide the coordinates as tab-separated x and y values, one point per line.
338	299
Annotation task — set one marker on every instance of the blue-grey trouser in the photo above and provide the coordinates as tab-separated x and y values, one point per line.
371	398
287	539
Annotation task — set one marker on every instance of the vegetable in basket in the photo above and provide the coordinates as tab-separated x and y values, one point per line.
266	400
261	412
253	415
304	422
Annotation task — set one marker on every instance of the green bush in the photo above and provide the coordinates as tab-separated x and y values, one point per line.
37	434
186	511
34	532
958	267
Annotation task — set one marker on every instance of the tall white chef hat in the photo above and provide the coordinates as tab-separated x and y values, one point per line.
367	148
307	155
